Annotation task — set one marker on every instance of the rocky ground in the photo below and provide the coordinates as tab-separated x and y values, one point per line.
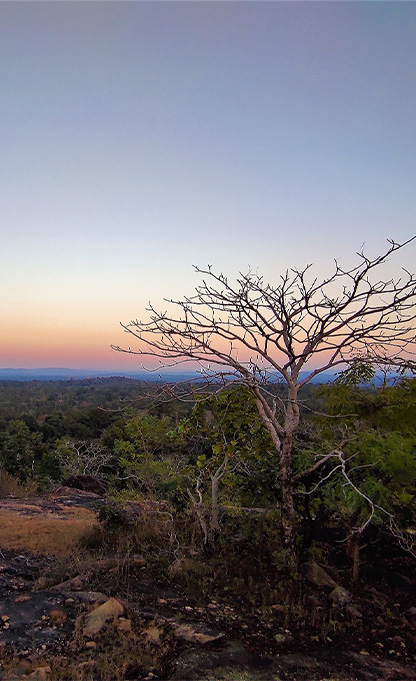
83	628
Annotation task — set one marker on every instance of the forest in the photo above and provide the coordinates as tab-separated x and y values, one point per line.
188	480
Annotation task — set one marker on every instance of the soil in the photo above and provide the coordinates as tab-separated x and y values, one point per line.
189	626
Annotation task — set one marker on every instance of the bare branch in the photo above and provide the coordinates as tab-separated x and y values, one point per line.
253	333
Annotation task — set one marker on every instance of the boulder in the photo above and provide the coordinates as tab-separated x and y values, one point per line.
86	483
124	624
152	635
353	611
316	574
340	596
96	620
74	584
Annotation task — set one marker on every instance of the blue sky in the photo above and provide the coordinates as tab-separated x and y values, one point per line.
141	138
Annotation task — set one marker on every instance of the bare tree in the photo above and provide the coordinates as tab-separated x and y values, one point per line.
85	458
252	332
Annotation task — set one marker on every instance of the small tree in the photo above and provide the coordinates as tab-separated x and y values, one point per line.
254	333
82	458
378	459
144	451
17	450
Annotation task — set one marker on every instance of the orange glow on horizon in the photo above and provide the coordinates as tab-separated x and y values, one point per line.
64	346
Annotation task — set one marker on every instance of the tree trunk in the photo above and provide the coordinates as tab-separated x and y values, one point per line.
283	439
215	526
353	551
215	481
287	505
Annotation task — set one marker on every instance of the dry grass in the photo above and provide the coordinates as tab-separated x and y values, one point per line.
10	485
47	535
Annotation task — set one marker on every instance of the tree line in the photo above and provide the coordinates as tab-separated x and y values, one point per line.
212	457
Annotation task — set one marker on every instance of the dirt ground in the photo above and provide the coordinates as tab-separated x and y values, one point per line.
49	586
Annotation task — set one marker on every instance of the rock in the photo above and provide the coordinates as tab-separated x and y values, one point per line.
96	620
90	644
412	611
315	574
196	632
152	635
74	584
40	674
124	624
18	673
353	611
86	483
340	596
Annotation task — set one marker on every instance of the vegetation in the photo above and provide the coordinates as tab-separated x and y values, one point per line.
193	499
252	489
214	460
253	333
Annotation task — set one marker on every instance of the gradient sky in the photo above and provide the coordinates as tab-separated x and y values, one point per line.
138	139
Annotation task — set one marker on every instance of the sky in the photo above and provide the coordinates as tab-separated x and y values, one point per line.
141	138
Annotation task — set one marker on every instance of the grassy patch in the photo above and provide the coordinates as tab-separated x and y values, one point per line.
45	534
10	485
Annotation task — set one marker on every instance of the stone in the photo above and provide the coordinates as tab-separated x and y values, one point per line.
86	483
196	632
353	611
340	596
152	635
96	620
90	644
40	674
316	574
20	672
74	584
124	624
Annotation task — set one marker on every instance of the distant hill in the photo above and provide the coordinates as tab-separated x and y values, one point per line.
63	374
